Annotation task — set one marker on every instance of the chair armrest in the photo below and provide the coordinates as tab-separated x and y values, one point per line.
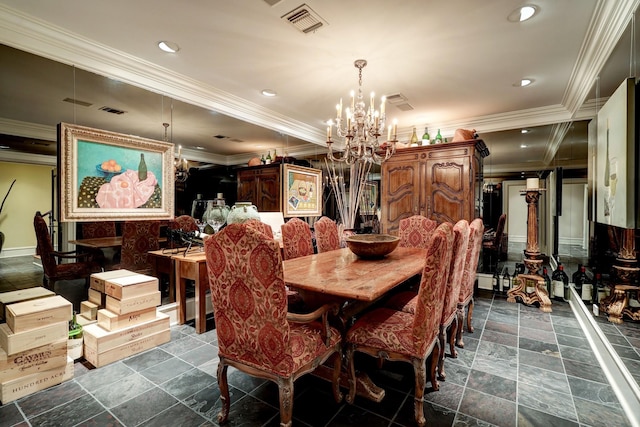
71	255
321	312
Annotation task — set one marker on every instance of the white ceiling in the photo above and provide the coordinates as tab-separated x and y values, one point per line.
455	61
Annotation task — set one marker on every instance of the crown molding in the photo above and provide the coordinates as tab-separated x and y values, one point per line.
28	130
34	159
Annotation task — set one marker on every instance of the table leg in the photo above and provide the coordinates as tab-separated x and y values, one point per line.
181	295
201	294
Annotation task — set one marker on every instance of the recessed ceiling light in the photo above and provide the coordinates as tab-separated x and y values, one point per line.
523	13
525	131
4	147
199	147
523	145
169	47
268	92
523	83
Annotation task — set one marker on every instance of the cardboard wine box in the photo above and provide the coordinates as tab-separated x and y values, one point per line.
29	384
36	359
12	342
130	286
97	280
34	314
129	305
102	340
125	350
113	322
20	295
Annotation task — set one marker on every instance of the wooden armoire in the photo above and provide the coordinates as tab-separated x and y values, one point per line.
260	185
442	182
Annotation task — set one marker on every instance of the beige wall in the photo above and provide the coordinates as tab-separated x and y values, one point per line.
31	193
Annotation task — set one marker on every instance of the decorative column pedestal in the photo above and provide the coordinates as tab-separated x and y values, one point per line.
625	273
530	288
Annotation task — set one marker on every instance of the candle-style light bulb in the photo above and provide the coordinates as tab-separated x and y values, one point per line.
383	101
372	102
389	134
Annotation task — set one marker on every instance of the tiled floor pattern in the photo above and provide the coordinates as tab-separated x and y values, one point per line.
520	367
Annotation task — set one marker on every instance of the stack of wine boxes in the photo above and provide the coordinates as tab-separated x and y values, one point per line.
33	341
128	323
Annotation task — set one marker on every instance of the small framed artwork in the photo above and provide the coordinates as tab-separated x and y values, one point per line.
302	191
105	175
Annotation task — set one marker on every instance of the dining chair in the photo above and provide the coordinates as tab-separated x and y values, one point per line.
93	230
52	261
465	300
256	334
138	238
296	239
326	235
491	248
183	222
256	224
414	231
400	336
407	301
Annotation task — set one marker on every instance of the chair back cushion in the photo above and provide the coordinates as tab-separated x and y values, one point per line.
476	230
138	238
184	223
500	230
426	322
94	230
264	228
458	260
296	239
45	248
326	235
249	298
414	231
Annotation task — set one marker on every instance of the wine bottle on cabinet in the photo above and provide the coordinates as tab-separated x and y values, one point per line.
142	168
268	159
425	137
559	280
414	138
438	138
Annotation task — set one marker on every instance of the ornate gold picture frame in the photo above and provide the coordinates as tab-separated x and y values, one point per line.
302	191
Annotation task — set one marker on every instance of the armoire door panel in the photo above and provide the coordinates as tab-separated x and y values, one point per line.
446	207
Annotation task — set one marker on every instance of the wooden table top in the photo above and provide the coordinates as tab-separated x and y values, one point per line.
341	273
104	242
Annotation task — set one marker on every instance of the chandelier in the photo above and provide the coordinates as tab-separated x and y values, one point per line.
180	165
360	127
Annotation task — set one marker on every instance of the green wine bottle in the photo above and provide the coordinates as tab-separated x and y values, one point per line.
425	137
414	138
438	138
142	168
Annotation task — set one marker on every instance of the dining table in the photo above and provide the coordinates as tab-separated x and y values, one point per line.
105	242
340	276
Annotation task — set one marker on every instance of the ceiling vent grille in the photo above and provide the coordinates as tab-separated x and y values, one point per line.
396	98
304	19
78	102
405	106
111	110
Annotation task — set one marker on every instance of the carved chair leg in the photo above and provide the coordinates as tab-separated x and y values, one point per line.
223	415
459	341
285	387
441	340
421	380
351	372
337	371
435	356
470	316
451	334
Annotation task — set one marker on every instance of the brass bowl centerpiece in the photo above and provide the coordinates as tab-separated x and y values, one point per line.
372	245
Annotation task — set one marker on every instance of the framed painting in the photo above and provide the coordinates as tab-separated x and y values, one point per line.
369	198
105	175
615	163
302	191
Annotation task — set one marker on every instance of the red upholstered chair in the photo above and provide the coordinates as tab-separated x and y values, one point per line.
138	238
255	333
296	239
414	231
256	224
52	265
94	230
326	235
465	300
407	301
399	336
184	223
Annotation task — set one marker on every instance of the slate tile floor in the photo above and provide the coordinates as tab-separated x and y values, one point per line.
520	367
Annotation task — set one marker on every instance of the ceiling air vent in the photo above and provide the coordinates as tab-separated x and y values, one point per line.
405	106
78	102
304	19
111	110
220	136
396	98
